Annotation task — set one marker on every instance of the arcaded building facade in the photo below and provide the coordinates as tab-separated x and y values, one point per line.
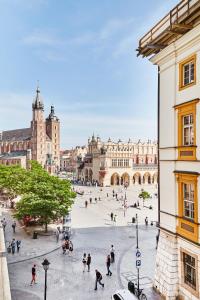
119	163
40	142
174	46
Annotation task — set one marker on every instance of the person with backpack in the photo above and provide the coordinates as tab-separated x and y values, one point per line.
98	279
88	262
33	271
13	244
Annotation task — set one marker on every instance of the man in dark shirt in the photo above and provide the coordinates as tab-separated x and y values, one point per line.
98	279
33	274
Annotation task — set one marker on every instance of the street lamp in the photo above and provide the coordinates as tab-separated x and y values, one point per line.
137	247
45	265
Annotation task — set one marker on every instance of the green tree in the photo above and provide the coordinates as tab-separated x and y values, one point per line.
144	195
44	198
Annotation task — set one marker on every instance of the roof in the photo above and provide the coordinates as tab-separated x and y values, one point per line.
13	154
181	19
16	135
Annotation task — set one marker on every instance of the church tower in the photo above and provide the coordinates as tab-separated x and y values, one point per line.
53	132
38	130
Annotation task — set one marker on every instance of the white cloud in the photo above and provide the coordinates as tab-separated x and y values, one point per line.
41	38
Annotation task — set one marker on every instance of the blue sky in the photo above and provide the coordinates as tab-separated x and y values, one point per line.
83	54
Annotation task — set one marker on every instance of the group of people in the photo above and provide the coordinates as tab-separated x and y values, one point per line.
13	246
67	247
86	261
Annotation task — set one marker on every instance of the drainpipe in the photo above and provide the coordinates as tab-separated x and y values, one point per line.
158	131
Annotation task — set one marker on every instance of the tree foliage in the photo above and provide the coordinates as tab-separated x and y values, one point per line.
144	195
43	197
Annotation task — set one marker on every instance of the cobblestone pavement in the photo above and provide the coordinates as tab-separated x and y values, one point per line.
93	233
65	277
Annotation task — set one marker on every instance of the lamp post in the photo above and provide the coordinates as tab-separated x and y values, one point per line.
45	265
137	247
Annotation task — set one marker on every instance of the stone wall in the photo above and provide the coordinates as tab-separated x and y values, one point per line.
166	274
4	278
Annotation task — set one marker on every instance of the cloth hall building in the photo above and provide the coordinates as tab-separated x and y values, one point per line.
117	163
40	142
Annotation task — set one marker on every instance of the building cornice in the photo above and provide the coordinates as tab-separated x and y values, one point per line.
190	38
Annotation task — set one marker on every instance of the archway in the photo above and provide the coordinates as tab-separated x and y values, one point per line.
155	178
137	178
125	179
114	179
147	178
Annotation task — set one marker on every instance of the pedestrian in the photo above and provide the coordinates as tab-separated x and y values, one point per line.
84	261
63	248
116	196
112	254
88	262
67	247
71	247
86	204
96	200
14	226
98	279
4	223
146	221
108	261
138	203
111	216
107	195
57	235
90	200
18	243
13	244
33	271
99	199
157	240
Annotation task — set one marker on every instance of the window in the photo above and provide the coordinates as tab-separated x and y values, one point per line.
186	114
188	199
126	162
187	72
188	130
114	162
187	219
189	269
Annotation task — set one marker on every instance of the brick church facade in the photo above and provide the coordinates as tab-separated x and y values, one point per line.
40	142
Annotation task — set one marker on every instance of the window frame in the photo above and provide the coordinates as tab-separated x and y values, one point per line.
182	64
186	152
187	227
191	288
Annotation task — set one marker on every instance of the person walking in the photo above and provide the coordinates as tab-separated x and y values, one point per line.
107	195
146	221
63	247
84	261
14	226
108	262
90	200
88	262
112	254
33	272
111	216
67	247
13	244
98	279
71	247
86	204
18	243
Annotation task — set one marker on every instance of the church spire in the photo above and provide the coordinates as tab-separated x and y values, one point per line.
37	103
